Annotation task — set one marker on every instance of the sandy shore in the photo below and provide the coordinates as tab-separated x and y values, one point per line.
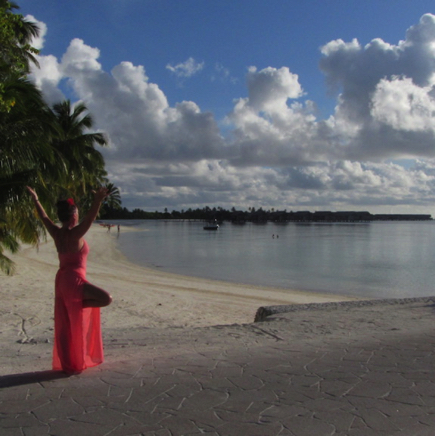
143	298
183	356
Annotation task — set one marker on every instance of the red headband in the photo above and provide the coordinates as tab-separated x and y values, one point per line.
70	201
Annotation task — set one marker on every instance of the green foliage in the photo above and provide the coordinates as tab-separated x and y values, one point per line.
15	51
78	165
113	201
261	216
7	242
50	149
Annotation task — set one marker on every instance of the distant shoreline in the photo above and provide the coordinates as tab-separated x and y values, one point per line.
262	216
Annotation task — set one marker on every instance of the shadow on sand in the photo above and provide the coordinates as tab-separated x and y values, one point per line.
7	381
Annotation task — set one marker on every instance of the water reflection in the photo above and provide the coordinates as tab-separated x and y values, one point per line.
394	259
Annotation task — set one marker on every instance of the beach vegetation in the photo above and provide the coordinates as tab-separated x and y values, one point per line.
16	53
79	166
259	216
53	149
114	199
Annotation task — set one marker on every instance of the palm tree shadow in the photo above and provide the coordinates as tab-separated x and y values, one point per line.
7	381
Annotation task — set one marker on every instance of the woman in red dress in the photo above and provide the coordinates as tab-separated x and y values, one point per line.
77	330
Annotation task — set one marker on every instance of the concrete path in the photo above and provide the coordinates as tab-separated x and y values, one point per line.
354	369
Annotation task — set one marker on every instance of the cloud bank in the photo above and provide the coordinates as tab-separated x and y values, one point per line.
274	151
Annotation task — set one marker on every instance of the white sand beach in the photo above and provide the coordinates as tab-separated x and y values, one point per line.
142	298
183	355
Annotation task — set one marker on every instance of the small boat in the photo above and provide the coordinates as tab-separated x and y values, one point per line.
211	227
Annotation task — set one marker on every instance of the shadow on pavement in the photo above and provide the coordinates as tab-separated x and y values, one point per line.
7	381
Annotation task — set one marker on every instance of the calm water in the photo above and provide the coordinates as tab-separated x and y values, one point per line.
394	259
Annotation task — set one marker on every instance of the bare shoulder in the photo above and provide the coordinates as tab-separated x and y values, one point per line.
52	228
78	231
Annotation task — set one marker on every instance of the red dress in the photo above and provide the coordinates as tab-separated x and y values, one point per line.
77	330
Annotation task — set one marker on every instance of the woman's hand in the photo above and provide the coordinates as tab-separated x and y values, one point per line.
101	193
49	225
32	193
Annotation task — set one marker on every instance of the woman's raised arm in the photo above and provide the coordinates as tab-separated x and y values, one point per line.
49	225
99	195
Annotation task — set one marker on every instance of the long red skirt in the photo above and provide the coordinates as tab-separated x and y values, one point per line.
77	331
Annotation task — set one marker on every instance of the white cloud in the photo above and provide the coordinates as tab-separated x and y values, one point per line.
368	80
135	112
270	130
187	68
277	153
270	88
47	78
48	75
403	105
80	58
341	185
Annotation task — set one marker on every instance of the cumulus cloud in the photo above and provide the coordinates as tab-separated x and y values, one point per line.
270	88
370	79
135	112
187	68
401	104
341	185
276	152
48	76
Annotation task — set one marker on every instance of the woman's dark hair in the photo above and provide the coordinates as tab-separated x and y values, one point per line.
65	209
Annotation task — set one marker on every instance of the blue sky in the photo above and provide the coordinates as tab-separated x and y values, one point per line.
226	103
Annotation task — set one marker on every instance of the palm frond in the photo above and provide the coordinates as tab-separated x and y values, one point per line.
7	265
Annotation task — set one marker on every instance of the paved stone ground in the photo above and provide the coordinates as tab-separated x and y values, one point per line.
357	369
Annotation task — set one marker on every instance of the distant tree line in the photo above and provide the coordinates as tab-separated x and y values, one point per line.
258	215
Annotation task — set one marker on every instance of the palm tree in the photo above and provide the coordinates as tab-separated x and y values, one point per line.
21	138
7	241
15	50
21	131
80	166
114	199
16	35
49	149
24	155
